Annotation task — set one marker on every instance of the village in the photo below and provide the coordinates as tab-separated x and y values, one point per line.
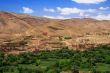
34	44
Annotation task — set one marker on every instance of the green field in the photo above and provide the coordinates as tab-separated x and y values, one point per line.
94	60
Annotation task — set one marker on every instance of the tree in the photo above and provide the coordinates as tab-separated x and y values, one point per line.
38	62
75	69
1	58
93	70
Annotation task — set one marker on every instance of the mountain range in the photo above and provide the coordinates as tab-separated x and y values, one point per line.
45	33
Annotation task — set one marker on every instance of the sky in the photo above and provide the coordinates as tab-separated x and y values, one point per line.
59	9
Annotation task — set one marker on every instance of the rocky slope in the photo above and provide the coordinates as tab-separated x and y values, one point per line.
44	33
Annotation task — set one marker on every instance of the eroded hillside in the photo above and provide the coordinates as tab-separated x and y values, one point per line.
21	32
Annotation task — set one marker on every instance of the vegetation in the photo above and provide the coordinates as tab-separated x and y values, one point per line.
94	60
67	37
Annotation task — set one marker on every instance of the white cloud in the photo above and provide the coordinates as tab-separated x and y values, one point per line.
68	11
104	8
27	10
55	17
52	17
84	15
90	10
49	10
102	17
80	13
87	15
89	1
98	17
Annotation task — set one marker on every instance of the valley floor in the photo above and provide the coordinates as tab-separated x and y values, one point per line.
94	60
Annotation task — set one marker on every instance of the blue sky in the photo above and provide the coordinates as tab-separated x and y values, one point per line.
61	9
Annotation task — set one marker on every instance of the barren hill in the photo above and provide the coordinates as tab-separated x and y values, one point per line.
44	33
